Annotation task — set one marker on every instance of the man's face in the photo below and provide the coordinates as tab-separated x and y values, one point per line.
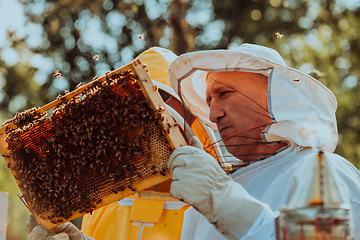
238	102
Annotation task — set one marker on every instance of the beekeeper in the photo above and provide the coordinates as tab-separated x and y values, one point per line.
152	215
272	117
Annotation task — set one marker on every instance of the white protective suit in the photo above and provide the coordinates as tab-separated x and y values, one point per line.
303	113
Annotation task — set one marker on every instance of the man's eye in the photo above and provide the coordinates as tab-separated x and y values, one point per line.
224	93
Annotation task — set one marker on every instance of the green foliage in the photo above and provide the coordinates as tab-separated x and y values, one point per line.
17	212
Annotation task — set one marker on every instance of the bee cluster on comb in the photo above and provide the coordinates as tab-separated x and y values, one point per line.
95	144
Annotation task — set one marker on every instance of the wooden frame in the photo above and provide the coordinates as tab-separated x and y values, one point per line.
174	136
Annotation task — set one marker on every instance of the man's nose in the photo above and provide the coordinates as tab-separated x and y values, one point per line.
216	112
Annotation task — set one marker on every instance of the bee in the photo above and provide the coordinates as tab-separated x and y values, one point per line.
278	35
141	36
60	220
41	129
59	98
316	72
94	78
162	172
96	57
57	74
131	188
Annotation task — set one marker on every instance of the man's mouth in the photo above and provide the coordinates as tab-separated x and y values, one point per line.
221	131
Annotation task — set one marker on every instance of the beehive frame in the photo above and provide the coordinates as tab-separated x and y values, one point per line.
174	135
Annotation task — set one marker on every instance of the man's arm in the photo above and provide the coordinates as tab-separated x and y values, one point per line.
199	180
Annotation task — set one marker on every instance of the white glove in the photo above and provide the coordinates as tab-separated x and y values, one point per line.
198	180
65	231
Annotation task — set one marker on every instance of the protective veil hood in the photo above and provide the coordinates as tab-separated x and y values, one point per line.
303	109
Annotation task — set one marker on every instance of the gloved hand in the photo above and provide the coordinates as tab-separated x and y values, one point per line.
198	180
66	231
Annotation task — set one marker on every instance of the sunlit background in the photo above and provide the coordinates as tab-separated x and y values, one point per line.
39	37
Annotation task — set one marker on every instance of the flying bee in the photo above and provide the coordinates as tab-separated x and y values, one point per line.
278	35
141	36
96	57
57	74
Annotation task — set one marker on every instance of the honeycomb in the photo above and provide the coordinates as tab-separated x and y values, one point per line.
97	143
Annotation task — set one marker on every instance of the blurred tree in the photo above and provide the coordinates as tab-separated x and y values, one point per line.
319	38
